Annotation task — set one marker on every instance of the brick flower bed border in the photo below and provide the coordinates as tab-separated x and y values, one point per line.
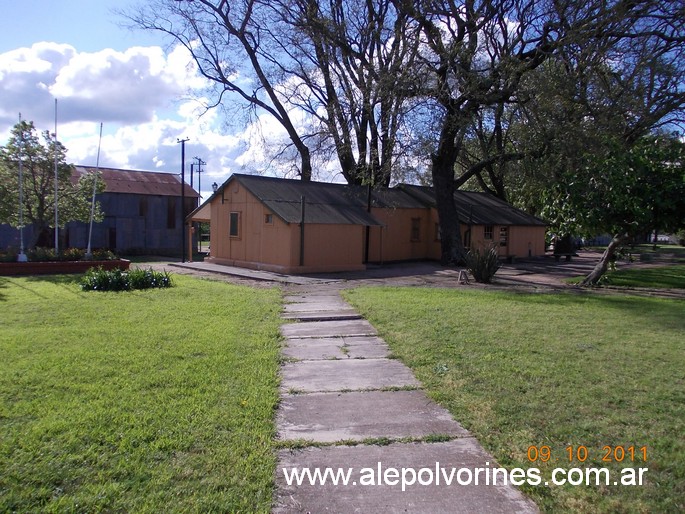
58	268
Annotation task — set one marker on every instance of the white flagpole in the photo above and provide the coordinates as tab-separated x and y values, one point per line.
22	256
56	186
89	254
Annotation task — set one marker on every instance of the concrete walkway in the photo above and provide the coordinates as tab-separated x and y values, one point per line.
251	274
338	385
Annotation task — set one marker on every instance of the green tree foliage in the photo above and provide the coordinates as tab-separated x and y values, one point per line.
623	192
37	155
626	192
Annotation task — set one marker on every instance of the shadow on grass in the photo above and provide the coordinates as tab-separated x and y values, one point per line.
3	285
67	282
18	284
639	306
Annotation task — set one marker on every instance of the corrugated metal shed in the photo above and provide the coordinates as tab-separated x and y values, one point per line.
324	203
138	182
477	208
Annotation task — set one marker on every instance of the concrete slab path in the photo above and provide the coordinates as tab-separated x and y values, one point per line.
339	388
391	499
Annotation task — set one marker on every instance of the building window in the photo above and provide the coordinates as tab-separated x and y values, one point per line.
416	229
234	224
467	239
488	231
269	219
171	212
437	232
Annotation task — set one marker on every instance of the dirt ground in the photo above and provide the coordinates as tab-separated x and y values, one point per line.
532	275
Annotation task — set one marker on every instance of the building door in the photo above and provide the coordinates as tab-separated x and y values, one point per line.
112	238
504	238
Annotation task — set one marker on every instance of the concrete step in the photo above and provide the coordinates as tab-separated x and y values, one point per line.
331	417
342	375
356	327
390	499
326	348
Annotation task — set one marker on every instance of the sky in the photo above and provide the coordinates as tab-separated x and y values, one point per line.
144	90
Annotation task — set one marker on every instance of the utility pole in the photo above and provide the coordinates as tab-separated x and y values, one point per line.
200	163
199	169
183	197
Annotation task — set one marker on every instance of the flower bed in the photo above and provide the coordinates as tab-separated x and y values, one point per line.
59	267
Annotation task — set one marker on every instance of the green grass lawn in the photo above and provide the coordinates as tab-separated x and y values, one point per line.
145	401
552	369
667	276
657	277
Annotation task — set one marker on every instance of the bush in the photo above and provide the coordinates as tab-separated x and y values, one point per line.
483	264
72	254
42	254
103	255
9	255
98	279
680	235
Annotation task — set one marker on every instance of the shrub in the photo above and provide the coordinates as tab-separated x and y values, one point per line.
103	255
98	279
680	235
9	255
483	263
72	254
41	254
146	279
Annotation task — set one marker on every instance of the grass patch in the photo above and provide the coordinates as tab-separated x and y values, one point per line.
672	277
551	369
668	277
148	401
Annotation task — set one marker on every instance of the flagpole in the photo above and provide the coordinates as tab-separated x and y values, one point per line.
56	187
22	256
89	254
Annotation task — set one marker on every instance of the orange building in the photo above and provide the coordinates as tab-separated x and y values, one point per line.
290	226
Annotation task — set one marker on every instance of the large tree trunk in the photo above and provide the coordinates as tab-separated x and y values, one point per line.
452	246
601	268
306	170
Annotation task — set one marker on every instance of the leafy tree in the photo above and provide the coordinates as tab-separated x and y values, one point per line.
624	193
480	62
38	162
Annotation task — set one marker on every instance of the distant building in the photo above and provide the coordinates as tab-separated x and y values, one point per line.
291	226
142	214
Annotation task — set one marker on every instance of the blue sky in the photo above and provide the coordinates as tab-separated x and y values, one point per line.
145	90
89	25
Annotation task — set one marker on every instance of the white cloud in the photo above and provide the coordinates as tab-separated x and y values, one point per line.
147	100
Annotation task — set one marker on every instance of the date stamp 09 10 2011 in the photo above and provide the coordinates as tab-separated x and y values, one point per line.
608	453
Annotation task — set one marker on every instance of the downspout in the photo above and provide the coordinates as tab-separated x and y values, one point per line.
302	230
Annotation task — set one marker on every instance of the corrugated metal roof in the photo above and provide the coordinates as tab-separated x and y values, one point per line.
477	208
324	203
327	203
139	182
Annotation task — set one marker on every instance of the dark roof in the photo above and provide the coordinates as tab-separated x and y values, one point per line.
325	203
477	208
138	182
